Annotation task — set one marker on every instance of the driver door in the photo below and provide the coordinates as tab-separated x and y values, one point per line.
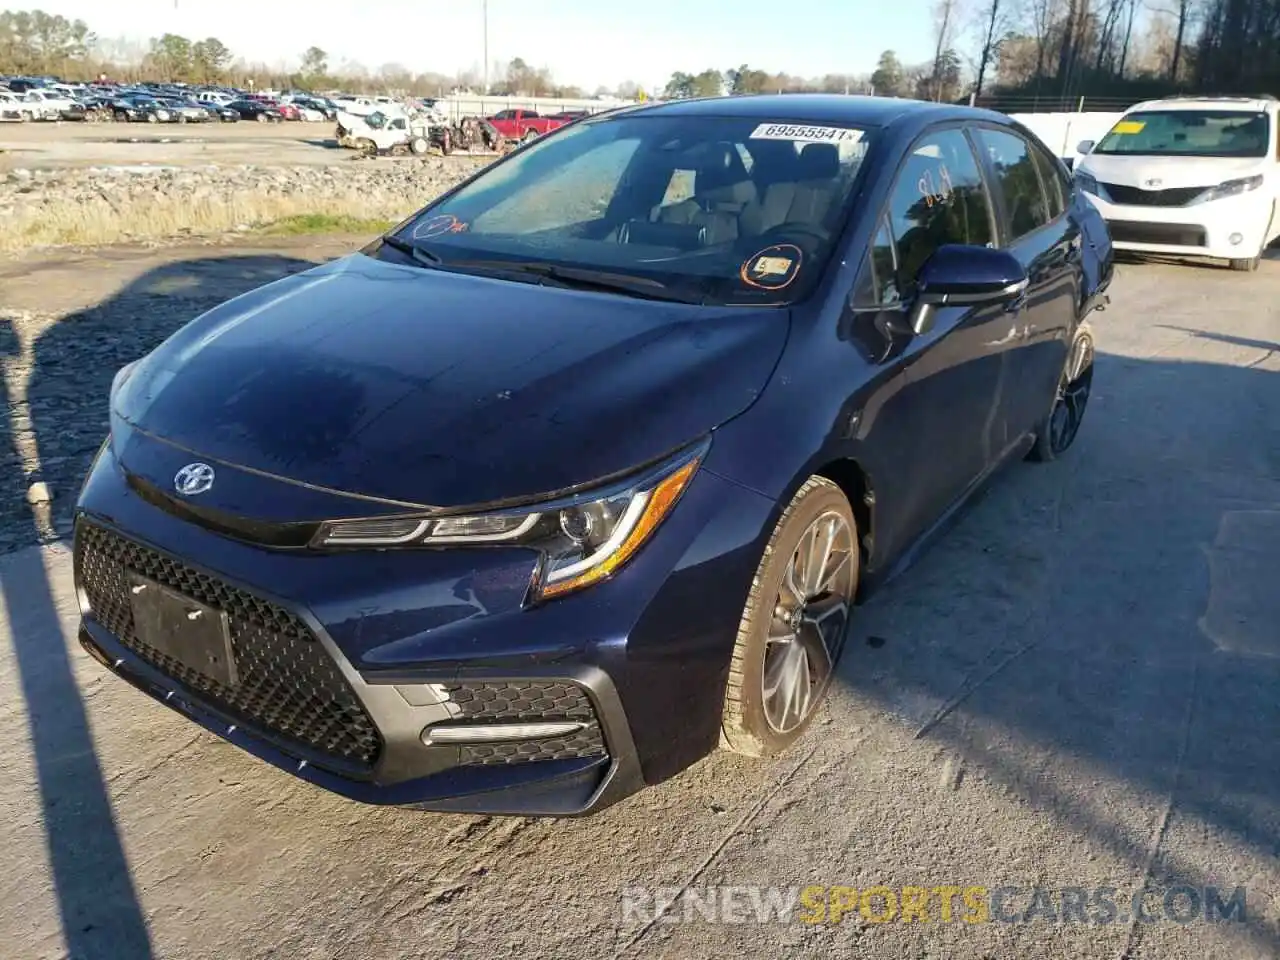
939	426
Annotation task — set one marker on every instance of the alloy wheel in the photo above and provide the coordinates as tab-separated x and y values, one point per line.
1068	410
809	620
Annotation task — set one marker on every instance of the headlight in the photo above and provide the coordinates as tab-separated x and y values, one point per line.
1089	184
582	539
1229	189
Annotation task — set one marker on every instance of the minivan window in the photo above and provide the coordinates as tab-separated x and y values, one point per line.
1189	133
667	200
1017	181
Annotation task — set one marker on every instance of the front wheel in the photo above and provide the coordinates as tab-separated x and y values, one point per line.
793	628
1247	264
530	135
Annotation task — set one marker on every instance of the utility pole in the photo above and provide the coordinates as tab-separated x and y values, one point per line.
484	6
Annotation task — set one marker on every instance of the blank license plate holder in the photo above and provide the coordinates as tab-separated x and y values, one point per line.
194	634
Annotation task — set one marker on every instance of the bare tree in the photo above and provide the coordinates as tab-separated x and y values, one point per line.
1182	12
1043	17
991	24
945	15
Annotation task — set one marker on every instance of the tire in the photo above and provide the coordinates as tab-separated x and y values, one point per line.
446	143
152	118
1054	435
530	135
367	147
263	118
1246	265
419	145
755	722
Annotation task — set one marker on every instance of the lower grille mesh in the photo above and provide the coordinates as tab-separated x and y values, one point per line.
290	689
528	702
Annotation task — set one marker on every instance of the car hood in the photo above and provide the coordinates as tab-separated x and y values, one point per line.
1173	172
440	389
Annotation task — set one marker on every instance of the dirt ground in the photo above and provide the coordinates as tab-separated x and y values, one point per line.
1077	687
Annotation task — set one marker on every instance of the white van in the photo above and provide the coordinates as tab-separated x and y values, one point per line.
1190	176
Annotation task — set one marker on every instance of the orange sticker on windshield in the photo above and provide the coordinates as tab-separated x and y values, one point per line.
438	227
1128	126
773	268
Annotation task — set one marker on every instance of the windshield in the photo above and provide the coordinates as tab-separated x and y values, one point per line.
1189	133
723	210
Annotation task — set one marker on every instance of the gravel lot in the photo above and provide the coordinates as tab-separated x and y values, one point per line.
63	145
1078	686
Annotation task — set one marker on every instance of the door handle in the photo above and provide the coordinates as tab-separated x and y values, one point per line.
1017	304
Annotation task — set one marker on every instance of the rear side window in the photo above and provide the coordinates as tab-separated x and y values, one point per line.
1017	181
1055	183
939	198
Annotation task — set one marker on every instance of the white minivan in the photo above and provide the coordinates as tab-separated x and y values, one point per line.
1189	176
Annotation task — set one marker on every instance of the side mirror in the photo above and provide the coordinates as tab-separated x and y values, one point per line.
1085	146
956	276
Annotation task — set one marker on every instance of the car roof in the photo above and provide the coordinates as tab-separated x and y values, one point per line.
1244	104
814	108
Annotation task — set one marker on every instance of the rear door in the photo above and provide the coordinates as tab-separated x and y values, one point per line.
1037	229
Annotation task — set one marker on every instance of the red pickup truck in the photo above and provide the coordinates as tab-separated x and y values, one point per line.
524	124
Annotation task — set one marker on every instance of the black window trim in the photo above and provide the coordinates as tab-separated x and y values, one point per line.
1006	225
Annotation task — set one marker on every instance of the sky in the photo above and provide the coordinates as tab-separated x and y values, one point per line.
587	43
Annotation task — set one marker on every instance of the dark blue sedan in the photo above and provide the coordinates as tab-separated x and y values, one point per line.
580	471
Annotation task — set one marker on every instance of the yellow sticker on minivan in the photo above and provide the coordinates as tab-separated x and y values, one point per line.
1128	126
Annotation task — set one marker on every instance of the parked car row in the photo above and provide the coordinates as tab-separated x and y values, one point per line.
31	99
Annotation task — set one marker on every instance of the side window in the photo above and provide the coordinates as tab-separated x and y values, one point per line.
679	187
1016	180
877	284
939	198
1056	188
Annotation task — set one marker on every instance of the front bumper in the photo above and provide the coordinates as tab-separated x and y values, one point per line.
348	658
1202	230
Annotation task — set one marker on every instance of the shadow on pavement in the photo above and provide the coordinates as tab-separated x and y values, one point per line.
74	363
1113	618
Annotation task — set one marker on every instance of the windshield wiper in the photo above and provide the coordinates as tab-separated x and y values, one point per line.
423	256
582	278
535	271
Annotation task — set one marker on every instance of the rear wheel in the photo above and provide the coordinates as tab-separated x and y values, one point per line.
419	145
793	628
1058	430
530	135
263	118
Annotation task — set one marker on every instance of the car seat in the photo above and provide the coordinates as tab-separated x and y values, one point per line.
806	198
722	190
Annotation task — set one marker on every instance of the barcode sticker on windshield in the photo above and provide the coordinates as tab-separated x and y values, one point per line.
1128	126
796	132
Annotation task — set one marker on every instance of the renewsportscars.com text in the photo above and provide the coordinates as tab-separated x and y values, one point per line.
940	903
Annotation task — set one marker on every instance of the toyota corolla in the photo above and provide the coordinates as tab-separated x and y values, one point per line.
580	471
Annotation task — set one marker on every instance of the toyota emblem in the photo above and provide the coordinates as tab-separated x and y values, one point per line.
193	478
1152	184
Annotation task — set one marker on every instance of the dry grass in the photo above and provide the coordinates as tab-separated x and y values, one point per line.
101	221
